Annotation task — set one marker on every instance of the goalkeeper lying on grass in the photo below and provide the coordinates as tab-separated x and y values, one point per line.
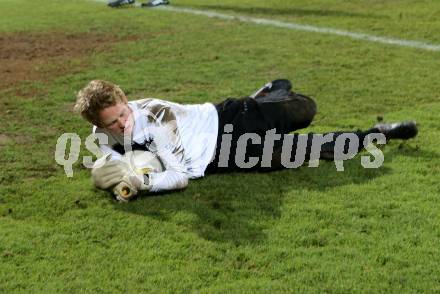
188	141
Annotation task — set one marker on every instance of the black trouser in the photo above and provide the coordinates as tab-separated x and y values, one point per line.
283	113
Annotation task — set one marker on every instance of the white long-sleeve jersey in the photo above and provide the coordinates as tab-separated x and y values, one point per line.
183	137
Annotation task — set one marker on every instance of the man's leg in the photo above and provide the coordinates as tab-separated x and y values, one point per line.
300	148
303	145
286	111
281	112
274	106
286	150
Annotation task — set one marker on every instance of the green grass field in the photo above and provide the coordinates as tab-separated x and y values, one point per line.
303	230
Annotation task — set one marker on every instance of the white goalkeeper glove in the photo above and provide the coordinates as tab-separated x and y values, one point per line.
124	191
107	173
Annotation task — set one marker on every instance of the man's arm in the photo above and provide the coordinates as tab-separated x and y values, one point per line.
166	137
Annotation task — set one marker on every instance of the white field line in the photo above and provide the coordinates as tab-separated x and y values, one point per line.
301	27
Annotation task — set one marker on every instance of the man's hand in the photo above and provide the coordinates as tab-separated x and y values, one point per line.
109	174
120	174
131	183
124	191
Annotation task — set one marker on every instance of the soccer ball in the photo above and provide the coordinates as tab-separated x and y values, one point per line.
143	161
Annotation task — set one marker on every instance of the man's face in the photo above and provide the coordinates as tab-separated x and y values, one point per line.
117	118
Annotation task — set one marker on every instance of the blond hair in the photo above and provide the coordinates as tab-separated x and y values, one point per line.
96	96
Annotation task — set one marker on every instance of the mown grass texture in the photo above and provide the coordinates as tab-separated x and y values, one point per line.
310	229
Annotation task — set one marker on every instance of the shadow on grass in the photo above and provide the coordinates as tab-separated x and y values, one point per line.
290	11
238	207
